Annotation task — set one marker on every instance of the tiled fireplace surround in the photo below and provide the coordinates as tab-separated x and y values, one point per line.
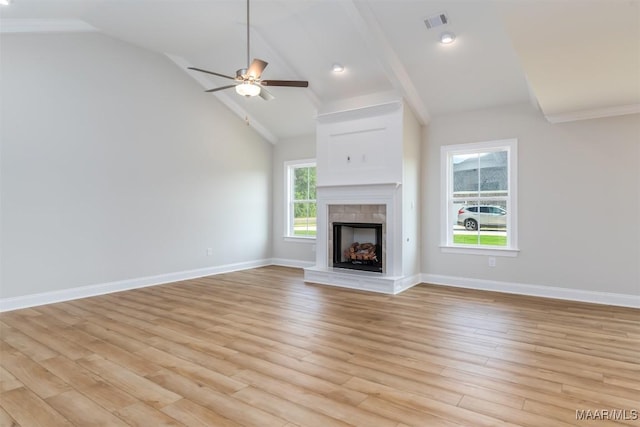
370	203
369	214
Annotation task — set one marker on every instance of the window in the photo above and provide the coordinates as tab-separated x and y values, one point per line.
479	197
301	199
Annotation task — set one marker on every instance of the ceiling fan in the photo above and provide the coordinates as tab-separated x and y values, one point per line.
248	81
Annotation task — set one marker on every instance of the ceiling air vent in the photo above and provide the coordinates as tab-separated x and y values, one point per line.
436	20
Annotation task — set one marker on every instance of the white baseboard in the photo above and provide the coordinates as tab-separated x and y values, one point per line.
406	283
15	303
607	298
292	263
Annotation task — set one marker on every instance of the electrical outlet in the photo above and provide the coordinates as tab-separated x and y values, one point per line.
209	251
492	261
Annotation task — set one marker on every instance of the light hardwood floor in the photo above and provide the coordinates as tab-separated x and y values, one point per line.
262	348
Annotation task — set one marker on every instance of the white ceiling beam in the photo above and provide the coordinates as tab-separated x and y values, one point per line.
368	26
183	64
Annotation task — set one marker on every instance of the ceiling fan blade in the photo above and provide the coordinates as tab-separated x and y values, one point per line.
256	68
289	83
220	88
264	94
211	72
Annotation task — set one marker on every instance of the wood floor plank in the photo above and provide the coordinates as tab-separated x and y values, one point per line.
27	409
193	371
124	379
521	417
298	379
408	416
142	415
112	337
25	344
44	335
336	409
89	383
71	372
33	375
80	410
8	381
7	420
285	409
222	404
440	410
191	414
413	384
262	348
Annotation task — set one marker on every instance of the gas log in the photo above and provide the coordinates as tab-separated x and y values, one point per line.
361	252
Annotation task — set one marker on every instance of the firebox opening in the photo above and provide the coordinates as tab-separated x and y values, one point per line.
357	246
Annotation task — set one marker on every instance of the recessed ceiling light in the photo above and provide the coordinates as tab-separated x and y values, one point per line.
447	38
337	68
4	2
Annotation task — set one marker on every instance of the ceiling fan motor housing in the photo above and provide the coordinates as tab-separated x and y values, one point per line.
241	74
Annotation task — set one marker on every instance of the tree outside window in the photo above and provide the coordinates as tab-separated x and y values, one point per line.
302	199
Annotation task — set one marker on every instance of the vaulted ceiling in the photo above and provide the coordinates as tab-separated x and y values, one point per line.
573	59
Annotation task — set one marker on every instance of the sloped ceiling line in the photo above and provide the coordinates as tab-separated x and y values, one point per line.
594	114
12	26
275	57
366	23
183	64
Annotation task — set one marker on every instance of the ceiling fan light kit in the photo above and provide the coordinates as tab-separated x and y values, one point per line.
249	80
248	89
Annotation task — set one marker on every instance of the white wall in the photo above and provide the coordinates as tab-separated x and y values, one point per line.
579	200
411	197
287	250
115	165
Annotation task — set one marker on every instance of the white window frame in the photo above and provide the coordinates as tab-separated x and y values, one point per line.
447	217
289	166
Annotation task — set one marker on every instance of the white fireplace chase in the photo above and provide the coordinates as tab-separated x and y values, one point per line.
368	196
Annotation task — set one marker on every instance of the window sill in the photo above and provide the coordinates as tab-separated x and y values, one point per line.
504	252
300	239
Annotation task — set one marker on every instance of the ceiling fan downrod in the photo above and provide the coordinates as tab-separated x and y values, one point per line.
248	81
248	37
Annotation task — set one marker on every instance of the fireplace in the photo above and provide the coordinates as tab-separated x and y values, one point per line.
368	182
361	207
357	246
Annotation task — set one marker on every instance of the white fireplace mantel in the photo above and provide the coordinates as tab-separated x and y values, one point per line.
365	156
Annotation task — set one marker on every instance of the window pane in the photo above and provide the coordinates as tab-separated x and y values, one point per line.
301	184
493	173
312	183
301	203
304	219
481	223
465	174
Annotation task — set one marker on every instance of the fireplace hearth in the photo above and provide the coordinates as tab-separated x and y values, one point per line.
358	246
